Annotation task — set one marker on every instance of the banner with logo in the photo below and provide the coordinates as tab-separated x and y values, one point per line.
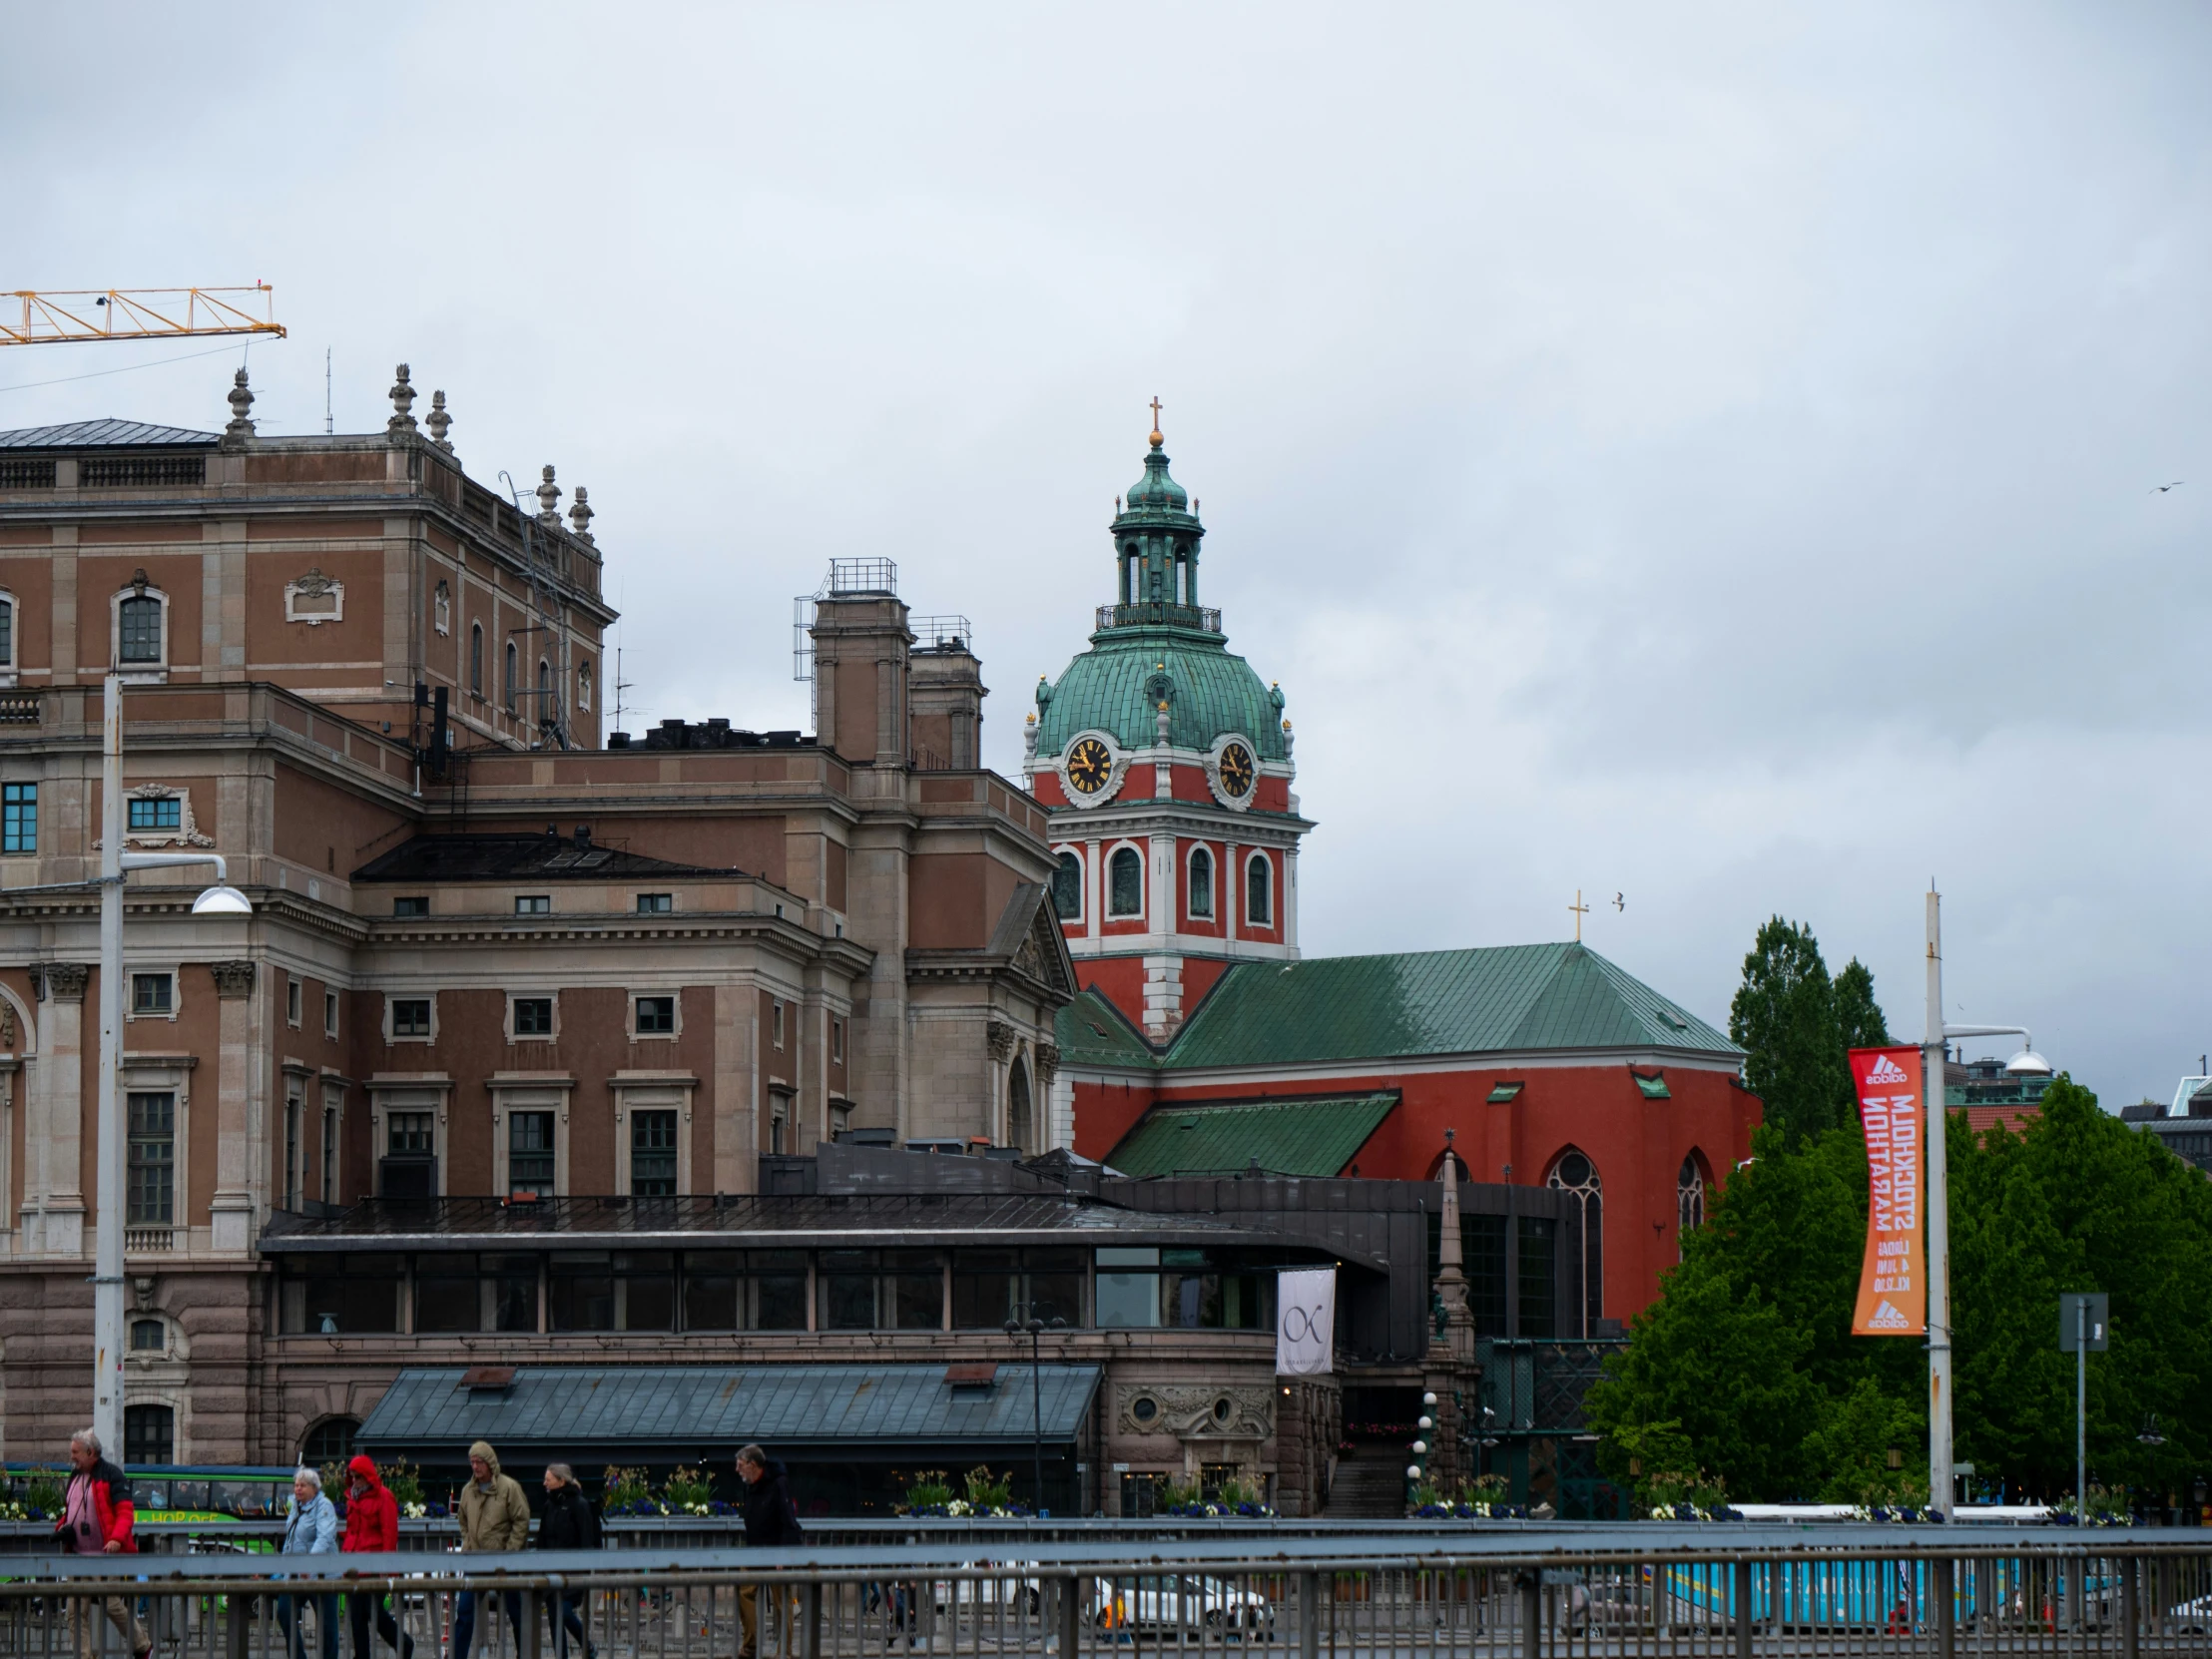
1304	1322
1892	1283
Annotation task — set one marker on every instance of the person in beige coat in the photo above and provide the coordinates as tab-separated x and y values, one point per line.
495	1517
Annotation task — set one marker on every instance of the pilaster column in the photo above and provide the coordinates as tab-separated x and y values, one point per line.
56	1132
231	1211
736	1097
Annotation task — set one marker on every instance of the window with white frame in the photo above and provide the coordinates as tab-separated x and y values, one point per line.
530	1016
1201	884
152	995
150	1177
141	631
655	1014
294	991
1125	882
329	1013
327	1166
442	608
409	1018
775	1021
1260	891
529	1138
1067	887
508	689
7	631
582	687
476	659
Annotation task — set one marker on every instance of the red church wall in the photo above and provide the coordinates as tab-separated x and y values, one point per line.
1119	980
1199	975
1636	1144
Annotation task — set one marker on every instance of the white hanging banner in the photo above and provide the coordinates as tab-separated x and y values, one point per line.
1304	1322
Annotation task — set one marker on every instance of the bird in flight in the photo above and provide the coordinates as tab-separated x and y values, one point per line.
2161	489
1619	903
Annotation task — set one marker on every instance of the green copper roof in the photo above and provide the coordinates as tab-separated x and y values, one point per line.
1091	1032
1520	998
1289	1137
1156	497
1113	687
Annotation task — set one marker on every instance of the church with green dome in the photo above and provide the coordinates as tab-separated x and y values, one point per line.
1165	763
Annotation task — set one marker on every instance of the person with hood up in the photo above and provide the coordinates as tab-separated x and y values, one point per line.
311	1529
371	1528
770	1523
569	1524
495	1517
97	1517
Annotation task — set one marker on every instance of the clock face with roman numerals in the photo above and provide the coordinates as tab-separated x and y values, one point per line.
1236	769
1090	763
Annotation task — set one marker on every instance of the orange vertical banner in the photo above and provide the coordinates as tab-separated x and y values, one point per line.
1892	1283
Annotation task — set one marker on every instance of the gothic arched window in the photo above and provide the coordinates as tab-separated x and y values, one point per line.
1689	1198
1017	1106
1259	890
1575	1175
1201	884
1125	879
1067	888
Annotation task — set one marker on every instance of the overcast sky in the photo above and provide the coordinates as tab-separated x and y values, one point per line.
1700	453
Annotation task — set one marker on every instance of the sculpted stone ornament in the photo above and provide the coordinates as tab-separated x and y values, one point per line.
1048	1062
187	832
241	428
1189	1412
7	1026
439	421
580	516
1001	1036
549	498
315	598
402	399
65	981
232	980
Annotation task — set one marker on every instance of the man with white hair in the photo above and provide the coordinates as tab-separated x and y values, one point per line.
311	1529
97	1514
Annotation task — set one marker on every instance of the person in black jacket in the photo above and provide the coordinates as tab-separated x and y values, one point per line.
770	1523
570	1523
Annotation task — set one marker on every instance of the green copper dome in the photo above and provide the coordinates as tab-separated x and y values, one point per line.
1155	644
1115	686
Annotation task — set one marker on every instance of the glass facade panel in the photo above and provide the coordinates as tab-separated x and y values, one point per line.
510	1292
985	1287
341	1295
848	1289
1539	1242
445	1295
1128	1287
778	1290
580	1292
714	1281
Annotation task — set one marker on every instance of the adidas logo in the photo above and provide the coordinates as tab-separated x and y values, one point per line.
1887	1318
1885	1070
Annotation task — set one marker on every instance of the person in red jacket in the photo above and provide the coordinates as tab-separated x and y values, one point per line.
372	1527
97	1514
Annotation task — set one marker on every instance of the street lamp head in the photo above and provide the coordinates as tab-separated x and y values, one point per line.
2027	1063
222	902
1013	1328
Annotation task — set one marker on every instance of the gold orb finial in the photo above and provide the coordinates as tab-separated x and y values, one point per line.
1157	440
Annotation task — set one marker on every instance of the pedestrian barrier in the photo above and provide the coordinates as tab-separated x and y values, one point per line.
1564	1590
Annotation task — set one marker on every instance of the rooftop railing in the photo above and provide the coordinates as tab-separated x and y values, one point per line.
1154	613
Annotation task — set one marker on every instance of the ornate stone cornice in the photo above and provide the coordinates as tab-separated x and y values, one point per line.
63	981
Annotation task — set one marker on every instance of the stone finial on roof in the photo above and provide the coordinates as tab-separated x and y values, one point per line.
580	515
241	412
440	422
402	400
549	497
1287	740
1029	738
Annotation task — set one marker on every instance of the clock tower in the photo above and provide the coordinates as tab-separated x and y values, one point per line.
1165	764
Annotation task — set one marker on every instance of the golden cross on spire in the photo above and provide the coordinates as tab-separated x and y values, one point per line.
1155	421
1580	910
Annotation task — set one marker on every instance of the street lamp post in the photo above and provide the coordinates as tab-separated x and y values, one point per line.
1933	1045
110	1159
1024	1322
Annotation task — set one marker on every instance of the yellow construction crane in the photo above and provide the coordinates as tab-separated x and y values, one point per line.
137	313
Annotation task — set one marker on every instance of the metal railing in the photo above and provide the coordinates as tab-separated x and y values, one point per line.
1155	613
1561	1591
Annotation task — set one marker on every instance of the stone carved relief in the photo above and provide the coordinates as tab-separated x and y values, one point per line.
1001	1036
232	980
1190	1412
65	981
1048	1062
315	599
187	833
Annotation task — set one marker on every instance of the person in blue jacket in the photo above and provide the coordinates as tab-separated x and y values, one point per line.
311	1529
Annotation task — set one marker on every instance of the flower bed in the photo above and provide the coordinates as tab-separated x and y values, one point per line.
1471	1511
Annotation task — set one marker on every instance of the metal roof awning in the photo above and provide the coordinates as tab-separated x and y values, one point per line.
1314	1136
573	1414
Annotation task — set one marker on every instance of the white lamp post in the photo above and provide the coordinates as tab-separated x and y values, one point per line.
112	1157
2026	1063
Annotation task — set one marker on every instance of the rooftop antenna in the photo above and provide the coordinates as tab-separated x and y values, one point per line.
621	685
329	425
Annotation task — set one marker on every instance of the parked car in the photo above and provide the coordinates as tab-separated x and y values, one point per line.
1170	1601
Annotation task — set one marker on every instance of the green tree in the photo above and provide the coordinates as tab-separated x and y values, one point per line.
1784	1017
1859	1018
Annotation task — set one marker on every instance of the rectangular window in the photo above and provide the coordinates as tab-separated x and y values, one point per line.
656	1016
1128	1287
292	999
653	1154
329	1013
848	1289
148	1436
729	1290
836	1043
775	1023
409	1167
533	1016
340	1295
160	812
152	1185
533	904
140	627
410	1016
328	1164
447	1297
7	633
409	1133
530	1154
1539	1237
613	1291
153	993
415	906
656	903
292	1154
19	818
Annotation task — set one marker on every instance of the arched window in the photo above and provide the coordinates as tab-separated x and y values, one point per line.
1067	888
1017	1106
139	628
148	1436
1260	891
545	687
476	659
1125	876
509	692
441	609
149	1335
1576	1176
7	633
582	687
329	1441
1689	1198
1202	883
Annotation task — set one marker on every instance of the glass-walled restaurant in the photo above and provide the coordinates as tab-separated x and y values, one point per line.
1128	1286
